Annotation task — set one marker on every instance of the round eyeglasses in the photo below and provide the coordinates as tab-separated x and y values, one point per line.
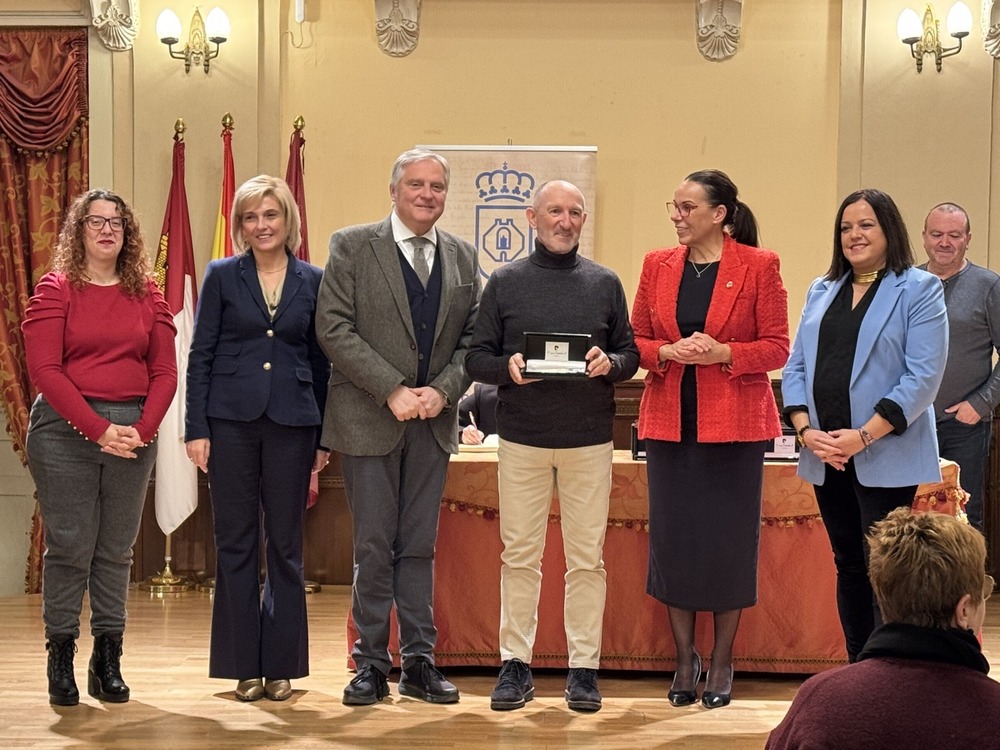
684	209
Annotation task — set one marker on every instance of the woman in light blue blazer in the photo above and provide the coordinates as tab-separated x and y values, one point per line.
859	389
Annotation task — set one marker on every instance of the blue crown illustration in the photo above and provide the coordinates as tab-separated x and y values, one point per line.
505	184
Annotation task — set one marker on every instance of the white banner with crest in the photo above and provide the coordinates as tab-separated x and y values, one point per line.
491	186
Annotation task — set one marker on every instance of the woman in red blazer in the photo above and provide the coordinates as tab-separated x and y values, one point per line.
710	319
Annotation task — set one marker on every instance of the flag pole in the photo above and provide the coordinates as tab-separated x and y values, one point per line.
166	581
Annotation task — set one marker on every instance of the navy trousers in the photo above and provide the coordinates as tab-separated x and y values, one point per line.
259	470
968	445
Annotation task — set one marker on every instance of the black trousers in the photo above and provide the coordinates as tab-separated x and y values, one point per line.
849	509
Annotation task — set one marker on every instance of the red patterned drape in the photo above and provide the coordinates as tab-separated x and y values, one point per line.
43	166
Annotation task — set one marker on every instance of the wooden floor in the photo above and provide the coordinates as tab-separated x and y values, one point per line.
175	705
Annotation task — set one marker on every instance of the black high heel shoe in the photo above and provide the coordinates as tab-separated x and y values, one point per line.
718	700
686	697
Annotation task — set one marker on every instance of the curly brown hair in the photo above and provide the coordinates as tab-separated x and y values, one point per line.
70	255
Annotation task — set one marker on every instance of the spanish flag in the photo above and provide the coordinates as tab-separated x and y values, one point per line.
176	476
222	244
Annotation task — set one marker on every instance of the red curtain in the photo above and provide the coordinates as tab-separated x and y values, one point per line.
43	166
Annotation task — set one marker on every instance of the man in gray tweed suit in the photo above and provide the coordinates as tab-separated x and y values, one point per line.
395	315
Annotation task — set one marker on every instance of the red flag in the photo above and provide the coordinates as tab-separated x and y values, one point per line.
177	494
222	243
293	176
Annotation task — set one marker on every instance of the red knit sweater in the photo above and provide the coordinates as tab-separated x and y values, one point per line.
96	342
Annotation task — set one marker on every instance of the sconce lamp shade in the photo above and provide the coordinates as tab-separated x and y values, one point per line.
959	21
217	25
908	27
168	27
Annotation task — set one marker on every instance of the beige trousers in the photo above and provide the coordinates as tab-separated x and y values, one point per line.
582	477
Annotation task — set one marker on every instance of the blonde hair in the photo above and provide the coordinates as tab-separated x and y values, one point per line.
922	564
70	256
252	192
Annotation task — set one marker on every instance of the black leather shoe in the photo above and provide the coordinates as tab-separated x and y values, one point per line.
62	683
368	686
104	676
422	680
717	700
514	686
581	690
686	697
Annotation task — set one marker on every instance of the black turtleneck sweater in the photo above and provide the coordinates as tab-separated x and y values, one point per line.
553	293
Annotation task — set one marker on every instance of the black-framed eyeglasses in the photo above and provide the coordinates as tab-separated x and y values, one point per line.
97	222
684	209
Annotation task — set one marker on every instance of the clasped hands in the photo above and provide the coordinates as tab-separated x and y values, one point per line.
406	403
120	440
598	364
835	447
697	349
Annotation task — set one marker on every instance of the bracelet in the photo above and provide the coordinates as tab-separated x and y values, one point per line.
866	437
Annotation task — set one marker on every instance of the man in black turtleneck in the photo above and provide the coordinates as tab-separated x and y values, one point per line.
921	680
553	429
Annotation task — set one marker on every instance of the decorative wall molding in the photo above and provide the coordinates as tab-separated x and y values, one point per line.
116	22
991	27
719	25
397	26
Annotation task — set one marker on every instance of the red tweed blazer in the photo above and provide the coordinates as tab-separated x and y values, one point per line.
749	311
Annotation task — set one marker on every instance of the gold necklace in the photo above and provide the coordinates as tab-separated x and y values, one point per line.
866	278
276	270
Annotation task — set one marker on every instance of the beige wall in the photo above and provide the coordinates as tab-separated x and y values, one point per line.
820	99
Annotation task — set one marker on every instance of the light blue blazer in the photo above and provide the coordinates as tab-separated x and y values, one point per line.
901	353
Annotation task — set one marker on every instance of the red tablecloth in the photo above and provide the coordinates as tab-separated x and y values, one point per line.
793	628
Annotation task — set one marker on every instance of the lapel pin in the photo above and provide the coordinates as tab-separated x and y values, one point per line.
729	285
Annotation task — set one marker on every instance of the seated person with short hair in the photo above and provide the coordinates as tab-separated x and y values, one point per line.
477	414
920	681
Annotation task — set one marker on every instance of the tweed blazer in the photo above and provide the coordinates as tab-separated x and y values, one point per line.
363	322
901	354
242	364
748	311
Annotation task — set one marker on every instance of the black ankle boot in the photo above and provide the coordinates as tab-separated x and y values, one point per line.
104	678
62	683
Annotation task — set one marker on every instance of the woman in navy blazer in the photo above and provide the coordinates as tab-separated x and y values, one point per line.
859	389
256	389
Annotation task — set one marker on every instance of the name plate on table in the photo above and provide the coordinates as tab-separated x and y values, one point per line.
555	355
784	447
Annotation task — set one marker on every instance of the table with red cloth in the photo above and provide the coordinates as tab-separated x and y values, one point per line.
793	628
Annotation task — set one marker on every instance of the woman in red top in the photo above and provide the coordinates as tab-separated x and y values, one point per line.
99	340
710	320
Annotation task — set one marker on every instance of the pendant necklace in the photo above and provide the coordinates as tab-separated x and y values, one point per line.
699	271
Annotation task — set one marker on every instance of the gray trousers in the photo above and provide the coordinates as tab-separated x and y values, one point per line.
91	505
395	501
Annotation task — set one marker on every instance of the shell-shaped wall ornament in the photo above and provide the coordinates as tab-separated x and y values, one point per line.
116	22
991	27
397	26
719	26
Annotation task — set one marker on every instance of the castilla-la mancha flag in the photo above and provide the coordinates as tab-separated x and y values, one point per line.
296	183
176	476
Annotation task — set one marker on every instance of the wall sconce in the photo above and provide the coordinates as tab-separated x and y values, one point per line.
924	36
197	50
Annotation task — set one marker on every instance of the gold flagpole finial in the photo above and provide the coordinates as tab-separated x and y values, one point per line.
179	128
227	121
299	123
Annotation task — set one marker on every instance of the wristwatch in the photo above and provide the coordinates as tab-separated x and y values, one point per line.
800	434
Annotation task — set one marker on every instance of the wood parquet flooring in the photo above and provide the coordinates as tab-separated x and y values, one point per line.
175	705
